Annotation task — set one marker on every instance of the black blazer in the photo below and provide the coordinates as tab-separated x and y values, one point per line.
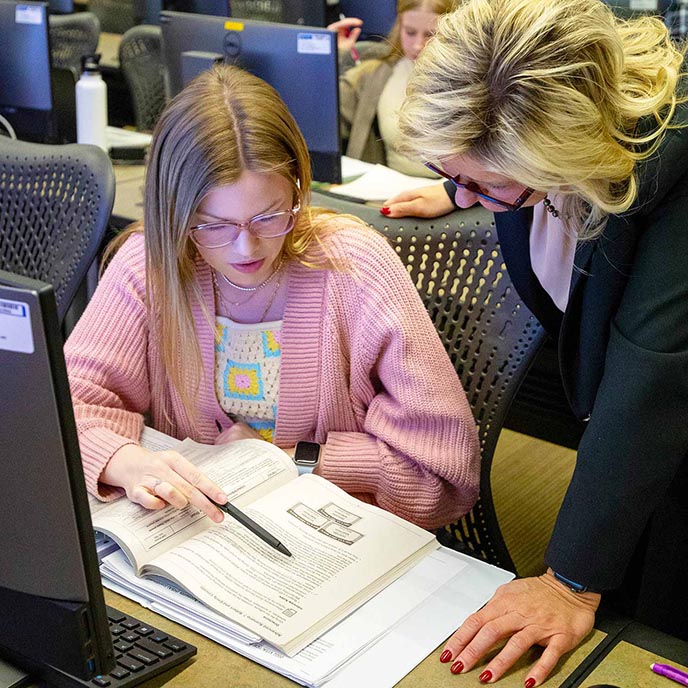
623	352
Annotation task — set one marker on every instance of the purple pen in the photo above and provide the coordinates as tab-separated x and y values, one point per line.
671	672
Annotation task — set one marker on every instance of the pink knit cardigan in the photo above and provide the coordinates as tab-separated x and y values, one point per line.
362	371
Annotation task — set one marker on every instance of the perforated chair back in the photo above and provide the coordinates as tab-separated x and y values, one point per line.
141	61
71	37
55	202
490	336
115	16
263	10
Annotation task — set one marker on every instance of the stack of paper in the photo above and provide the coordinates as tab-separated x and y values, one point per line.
406	620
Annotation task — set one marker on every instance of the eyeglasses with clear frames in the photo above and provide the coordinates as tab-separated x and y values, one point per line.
264	226
473	188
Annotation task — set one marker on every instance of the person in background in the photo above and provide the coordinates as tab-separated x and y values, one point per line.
570	125
676	19
238	311
371	92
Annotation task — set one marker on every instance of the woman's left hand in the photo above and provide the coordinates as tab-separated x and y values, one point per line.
348	30
526	612
238	431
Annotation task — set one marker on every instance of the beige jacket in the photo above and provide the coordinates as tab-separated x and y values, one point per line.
359	92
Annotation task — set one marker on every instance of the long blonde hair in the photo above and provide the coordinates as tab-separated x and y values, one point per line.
548	93
224	122
394	37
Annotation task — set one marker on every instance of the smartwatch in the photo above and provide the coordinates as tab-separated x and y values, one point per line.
306	456
570	584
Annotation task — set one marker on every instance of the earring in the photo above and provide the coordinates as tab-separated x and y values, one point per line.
549	207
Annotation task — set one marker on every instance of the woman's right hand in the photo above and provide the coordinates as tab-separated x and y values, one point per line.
156	479
348	30
427	201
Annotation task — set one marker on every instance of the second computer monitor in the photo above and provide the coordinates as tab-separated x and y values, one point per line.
52	611
299	62
378	16
26	99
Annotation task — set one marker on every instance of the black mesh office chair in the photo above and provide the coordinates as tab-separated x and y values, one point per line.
141	62
55	202
489	334
71	37
115	16
263	10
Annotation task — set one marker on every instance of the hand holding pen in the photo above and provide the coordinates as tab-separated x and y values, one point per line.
670	672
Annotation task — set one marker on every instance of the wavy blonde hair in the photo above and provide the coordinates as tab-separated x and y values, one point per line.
224	122
548	93
394	37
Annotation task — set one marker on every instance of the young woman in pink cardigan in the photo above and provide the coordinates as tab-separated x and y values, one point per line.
240	312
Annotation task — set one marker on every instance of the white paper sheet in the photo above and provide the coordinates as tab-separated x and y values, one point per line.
380	183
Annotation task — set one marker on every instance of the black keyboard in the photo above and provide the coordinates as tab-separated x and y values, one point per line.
141	652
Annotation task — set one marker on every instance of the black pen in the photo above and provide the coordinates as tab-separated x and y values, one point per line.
253	527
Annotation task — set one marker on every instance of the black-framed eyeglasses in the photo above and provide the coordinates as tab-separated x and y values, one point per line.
475	189
264	226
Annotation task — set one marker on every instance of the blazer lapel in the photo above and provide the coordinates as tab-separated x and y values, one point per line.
513	230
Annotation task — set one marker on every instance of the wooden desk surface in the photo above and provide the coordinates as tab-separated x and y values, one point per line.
620	658
108	47
214	664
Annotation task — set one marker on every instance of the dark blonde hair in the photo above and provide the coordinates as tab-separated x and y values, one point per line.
548	93
394	37
224	122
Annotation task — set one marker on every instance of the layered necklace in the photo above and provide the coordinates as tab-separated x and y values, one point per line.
252	291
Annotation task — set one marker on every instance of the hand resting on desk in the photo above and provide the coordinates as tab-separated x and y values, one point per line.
426	201
156	479
526	612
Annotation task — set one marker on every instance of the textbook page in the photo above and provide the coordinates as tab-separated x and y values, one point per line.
344	551
245	469
415	613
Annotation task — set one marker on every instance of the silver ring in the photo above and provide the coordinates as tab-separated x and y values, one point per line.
156	483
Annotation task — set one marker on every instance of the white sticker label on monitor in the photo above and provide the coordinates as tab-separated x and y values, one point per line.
314	43
28	14
15	327
650	5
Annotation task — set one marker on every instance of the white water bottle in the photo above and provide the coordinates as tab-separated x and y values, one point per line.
91	104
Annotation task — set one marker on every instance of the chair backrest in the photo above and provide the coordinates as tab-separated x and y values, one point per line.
141	62
263	10
490	336
71	37
116	16
55	202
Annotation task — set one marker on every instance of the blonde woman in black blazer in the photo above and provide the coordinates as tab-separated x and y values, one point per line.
520	102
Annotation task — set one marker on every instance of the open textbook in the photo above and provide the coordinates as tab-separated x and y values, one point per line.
344	551
406	621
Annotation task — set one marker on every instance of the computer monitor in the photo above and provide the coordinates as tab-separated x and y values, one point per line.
61	6
627	9
299	62
218	8
26	96
52	611
378	16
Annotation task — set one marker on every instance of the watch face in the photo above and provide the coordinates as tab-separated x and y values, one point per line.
307	453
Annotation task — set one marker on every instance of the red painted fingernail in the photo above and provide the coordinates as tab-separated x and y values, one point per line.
385	210
457	667
485	676
445	656
530	682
